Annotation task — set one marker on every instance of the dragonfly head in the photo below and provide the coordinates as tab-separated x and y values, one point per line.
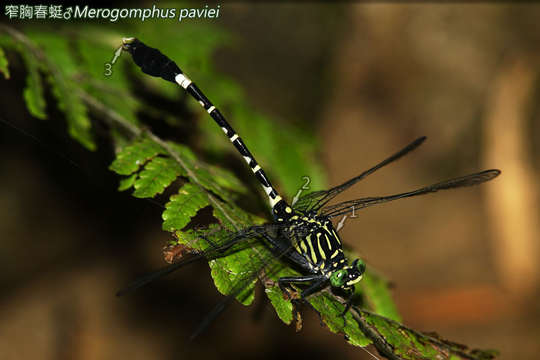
347	276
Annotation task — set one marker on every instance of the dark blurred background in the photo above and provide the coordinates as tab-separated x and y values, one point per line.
369	78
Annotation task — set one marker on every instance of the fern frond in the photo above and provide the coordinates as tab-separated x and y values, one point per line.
182	207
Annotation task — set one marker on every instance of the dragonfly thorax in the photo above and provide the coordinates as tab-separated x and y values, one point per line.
315	238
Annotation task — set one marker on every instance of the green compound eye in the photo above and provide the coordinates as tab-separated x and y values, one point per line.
361	266
337	279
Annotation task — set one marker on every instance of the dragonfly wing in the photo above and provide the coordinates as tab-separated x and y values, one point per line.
269	264
468	180
316	200
236	242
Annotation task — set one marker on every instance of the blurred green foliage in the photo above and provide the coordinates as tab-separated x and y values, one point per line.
4	64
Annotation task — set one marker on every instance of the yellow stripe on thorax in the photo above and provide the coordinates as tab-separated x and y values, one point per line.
311	249
321	251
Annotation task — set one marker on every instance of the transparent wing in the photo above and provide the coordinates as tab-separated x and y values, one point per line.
234	243
317	199
268	261
352	205
269	264
265	260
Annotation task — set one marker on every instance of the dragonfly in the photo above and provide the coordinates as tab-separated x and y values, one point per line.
302	234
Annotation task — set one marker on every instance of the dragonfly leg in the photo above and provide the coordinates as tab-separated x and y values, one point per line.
349	303
285	283
320	283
